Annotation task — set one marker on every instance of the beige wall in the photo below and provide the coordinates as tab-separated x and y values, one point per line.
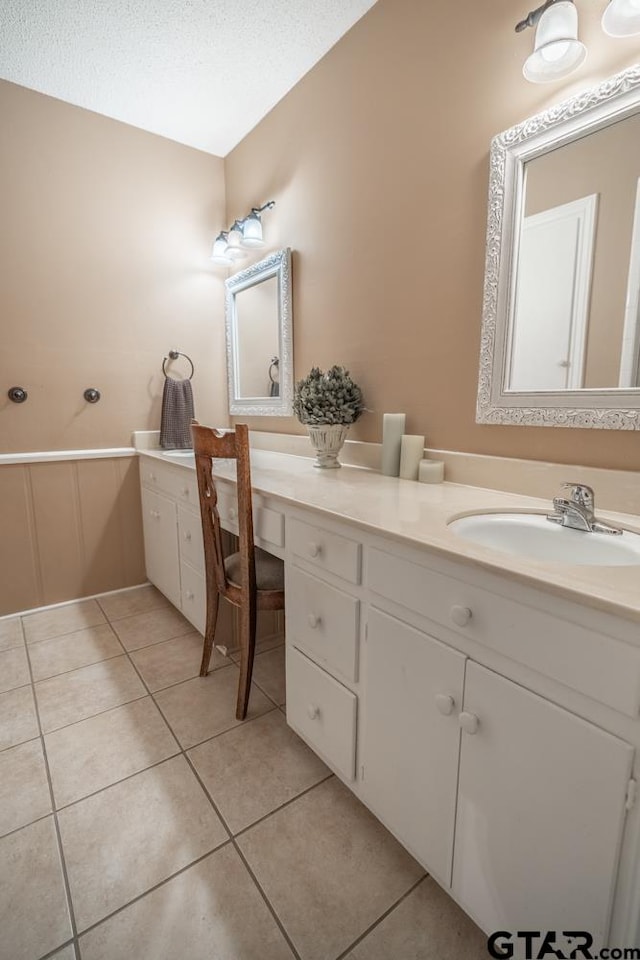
106	231
378	161
606	163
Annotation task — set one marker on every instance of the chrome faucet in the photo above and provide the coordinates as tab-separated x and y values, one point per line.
576	510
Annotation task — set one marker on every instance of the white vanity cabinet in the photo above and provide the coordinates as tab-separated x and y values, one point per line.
540	812
323	640
174	555
513	802
161	543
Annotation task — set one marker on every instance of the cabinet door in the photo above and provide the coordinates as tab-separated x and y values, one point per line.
541	807
410	737
160	527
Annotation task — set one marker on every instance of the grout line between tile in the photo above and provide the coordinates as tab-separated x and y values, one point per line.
287	803
54	814
181	751
69	633
224	823
382	917
63	946
156	886
63	673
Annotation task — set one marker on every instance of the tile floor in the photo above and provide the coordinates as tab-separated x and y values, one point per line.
139	819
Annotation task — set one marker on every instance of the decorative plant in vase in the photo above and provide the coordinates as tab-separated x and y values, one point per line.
327	403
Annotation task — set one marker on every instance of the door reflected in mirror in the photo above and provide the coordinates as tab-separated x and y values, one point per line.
259	338
575	316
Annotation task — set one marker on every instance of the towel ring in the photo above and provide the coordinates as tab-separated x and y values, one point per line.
274	363
173	355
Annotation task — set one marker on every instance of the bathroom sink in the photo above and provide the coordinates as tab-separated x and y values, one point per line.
532	535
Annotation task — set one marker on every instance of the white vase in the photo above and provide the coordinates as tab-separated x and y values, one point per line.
327	440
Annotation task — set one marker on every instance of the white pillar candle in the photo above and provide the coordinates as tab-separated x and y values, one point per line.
431	471
411	453
392	430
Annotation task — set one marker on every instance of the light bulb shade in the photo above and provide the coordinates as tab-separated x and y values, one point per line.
621	18
219	251
557	52
252	231
234	245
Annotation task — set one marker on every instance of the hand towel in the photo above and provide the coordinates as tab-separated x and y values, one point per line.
177	414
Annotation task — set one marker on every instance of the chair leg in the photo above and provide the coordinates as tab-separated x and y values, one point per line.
247	651
213	603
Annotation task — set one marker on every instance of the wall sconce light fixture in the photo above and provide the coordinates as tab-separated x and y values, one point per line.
557	51
232	244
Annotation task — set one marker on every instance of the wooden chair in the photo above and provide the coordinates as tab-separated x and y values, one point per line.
250	579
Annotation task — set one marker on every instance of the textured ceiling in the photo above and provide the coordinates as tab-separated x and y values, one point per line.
202	72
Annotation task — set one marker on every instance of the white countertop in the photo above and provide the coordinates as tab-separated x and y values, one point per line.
417	514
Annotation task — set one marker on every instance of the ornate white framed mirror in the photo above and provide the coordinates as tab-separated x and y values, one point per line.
260	338
560	341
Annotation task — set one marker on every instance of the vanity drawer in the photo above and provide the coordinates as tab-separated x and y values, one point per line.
268	524
156	475
184	487
328	551
324	622
190	536
194	596
322	711
596	665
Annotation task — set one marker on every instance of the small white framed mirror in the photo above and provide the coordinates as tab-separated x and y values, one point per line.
260	338
560	339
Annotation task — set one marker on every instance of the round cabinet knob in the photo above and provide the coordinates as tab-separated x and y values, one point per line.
469	722
313	549
445	704
155	514
313	620
233	513
460	615
313	711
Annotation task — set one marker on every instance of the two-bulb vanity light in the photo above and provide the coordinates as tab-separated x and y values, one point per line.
232	244
557	50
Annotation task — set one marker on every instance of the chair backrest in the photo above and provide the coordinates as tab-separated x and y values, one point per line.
209	445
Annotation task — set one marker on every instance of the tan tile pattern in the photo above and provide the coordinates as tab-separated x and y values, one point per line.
126	603
34	918
24	788
18	721
93	754
14	669
252	770
269	674
426	925
61	620
202	708
152	627
68	953
150	865
328	867
172	661
122	841
86	692
10	633
80	649
215	910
